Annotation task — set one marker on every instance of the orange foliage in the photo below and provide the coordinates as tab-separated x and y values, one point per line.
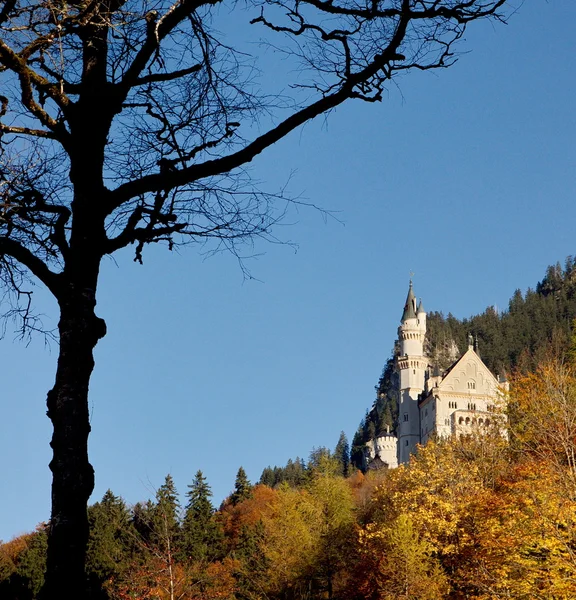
196	581
247	513
10	553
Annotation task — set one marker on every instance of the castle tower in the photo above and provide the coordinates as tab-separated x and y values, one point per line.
412	366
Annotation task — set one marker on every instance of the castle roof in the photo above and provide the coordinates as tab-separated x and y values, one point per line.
410	306
420	307
469	365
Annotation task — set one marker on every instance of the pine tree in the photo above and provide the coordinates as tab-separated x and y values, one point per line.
342	454
165	518
201	535
242	488
267	477
111	540
33	562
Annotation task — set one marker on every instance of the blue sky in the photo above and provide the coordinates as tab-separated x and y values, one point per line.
466	177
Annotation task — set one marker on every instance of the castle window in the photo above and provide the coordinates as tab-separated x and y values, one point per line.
405	416
406	443
467	420
446	421
414	371
471	385
461	420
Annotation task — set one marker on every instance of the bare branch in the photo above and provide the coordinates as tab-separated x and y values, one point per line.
35	265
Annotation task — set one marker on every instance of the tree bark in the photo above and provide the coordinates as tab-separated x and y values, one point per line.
73	475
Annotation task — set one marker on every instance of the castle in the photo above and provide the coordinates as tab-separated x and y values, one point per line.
455	402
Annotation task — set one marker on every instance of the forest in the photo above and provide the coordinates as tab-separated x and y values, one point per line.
481	517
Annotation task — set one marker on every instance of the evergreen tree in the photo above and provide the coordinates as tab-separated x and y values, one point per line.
22	565
201	535
111	541
165	518
294	474
242	488
267	477
32	564
342	454
143	521
322	461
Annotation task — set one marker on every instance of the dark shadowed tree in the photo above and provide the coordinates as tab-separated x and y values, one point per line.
342	454
242	487
125	123
110	543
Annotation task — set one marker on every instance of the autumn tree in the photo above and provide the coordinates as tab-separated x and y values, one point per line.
400	564
543	417
124	124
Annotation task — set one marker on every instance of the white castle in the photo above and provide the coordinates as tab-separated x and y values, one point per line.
463	398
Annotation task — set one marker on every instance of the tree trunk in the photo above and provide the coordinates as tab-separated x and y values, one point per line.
73	475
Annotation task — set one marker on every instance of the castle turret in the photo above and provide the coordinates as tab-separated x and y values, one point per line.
412	365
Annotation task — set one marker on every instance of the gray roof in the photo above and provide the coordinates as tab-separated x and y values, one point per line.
421	307
410	306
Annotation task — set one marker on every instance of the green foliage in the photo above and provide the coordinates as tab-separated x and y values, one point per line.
33	562
111	540
322	461
201	534
342	454
242	488
22	565
294	474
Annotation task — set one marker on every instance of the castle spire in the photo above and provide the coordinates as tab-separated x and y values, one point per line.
410	306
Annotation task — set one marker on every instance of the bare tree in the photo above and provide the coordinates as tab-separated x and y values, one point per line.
128	122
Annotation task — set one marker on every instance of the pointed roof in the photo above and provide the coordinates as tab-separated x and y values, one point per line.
469	362
420	307
410	306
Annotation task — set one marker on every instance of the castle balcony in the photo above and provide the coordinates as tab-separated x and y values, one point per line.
464	422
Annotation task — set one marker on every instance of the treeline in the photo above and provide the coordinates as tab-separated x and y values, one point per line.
516	338
298	473
479	517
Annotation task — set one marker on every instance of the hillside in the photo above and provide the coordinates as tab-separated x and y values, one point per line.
517	338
